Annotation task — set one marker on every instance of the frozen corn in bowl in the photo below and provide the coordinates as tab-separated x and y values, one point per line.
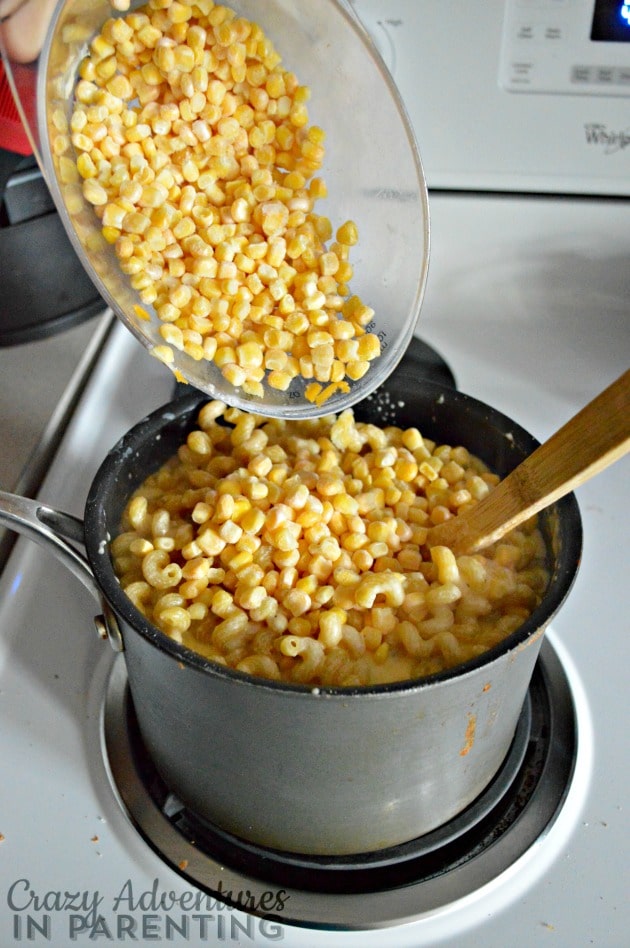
242	185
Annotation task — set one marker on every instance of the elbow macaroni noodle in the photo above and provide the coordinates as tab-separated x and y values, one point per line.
296	551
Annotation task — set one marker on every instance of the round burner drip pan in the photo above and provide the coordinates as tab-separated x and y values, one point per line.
403	882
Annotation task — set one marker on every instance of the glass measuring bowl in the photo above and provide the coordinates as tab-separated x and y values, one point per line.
372	171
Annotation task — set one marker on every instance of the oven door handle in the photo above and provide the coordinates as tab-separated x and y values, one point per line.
55	531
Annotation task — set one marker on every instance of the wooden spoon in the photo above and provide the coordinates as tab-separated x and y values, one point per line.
594	438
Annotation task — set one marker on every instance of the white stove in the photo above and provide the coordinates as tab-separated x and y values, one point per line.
527	302
530	320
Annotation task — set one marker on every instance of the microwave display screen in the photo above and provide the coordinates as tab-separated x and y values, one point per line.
611	21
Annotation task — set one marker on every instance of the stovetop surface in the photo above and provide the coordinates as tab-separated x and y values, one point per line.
528	304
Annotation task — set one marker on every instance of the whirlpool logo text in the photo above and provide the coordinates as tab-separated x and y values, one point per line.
609	140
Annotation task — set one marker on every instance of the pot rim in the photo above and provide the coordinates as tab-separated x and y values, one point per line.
149	428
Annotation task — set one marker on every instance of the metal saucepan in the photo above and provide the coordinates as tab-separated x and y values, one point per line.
330	771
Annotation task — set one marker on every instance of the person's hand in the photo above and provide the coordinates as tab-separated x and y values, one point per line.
23	24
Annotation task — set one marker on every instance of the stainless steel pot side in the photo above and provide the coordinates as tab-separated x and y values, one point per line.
327	771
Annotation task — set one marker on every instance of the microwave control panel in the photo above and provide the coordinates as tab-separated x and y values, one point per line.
566	46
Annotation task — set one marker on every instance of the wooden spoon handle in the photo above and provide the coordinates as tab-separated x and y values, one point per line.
594	438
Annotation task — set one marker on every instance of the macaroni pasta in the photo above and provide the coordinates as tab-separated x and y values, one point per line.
297	551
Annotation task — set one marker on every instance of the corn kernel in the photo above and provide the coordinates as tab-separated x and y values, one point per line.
94	192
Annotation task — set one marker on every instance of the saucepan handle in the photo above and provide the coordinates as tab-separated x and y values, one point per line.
52	529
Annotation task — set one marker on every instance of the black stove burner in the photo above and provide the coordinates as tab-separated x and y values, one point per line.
43	286
404	881
421	361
